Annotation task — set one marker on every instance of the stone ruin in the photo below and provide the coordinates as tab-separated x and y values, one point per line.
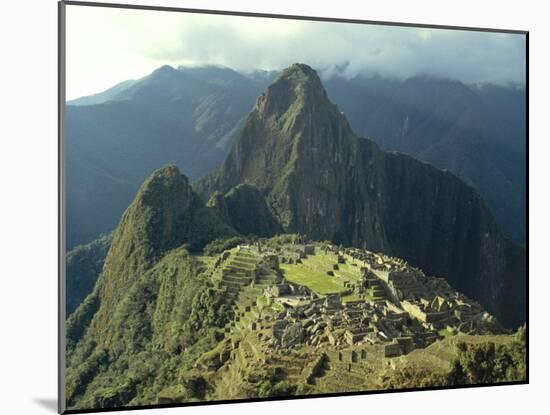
398	307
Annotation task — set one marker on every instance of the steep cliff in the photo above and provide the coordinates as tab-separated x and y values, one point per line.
321	180
245	208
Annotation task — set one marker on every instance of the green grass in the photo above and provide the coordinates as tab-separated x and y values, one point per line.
314	280
447	332
323	263
312	273
348	272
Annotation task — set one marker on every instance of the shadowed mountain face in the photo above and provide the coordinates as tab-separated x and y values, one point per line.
476	132
320	180
235	208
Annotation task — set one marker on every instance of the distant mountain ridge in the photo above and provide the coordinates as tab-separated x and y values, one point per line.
189	117
116	139
320	180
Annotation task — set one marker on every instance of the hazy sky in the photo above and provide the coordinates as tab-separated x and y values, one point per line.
107	45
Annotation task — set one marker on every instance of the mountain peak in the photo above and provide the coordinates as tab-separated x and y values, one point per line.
166	176
292	120
163	74
297	86
149	226
167	171
300	70
164	69
164	215
300	76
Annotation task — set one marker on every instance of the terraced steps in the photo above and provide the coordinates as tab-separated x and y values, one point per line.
237	273
266	280
237	269
233	279
292	366
245	263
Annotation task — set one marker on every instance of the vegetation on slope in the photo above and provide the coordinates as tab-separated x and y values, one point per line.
490	362
160	328
164	343
152	311
84	264
483	362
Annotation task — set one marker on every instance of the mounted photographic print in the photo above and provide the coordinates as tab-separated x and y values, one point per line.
259	207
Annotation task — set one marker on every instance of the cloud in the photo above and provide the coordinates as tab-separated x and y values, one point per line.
131	43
